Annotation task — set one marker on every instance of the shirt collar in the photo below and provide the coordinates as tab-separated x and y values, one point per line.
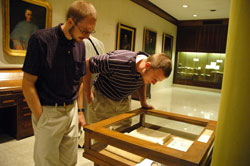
62	38
140	57
136	59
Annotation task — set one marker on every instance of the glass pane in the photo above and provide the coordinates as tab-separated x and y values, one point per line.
148	127
175	128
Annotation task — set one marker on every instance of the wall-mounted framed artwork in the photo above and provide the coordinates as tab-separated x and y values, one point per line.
149	41
167	44
21	18
125	38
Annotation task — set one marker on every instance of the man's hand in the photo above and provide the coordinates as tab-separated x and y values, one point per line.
31	95
146	106
81	119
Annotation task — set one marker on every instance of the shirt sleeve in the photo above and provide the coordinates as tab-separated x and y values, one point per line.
34	59
99	64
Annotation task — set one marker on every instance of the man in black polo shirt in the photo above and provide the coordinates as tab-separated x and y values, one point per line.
120	73
53	69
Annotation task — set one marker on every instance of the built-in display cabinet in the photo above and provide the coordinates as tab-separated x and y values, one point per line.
200	53
194	68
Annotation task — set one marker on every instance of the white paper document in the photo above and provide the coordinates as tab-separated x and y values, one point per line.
180	144
148	162
205	136
150	135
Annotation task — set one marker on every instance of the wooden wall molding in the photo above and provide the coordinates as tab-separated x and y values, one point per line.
158	11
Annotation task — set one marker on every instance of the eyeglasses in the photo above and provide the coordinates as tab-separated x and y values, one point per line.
85	32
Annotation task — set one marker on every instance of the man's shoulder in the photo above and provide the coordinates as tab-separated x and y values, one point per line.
45	35
46	31
122	56
98	44
123	53
96	41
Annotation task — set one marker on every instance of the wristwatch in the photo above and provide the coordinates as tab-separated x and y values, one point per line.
81	110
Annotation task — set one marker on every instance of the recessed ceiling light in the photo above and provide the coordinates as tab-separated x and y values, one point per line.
185	6
195	15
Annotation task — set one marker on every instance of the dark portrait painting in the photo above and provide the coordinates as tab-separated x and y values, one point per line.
22	19
25	19
149	43
167	44
125	37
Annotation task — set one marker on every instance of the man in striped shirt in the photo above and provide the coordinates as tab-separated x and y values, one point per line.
120	73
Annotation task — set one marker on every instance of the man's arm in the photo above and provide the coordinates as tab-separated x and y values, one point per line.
142	97
81	117
96	64
30	94
86	84
80	95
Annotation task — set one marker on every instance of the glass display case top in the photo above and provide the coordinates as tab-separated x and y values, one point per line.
140	136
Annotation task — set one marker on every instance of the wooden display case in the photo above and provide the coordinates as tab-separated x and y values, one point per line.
198	153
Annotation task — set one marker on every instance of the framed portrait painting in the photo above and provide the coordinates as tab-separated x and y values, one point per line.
125	39
21	18
167	44
149	41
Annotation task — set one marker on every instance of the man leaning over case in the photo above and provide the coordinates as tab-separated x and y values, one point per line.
120	73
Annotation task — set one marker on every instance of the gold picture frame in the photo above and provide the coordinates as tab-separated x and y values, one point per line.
18	15
167	44
149	41
125	38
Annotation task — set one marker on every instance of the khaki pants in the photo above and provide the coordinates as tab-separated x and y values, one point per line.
56	136
102	108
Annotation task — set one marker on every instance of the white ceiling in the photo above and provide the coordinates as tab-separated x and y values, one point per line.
199	7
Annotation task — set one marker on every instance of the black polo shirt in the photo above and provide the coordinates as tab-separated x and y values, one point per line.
58	62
